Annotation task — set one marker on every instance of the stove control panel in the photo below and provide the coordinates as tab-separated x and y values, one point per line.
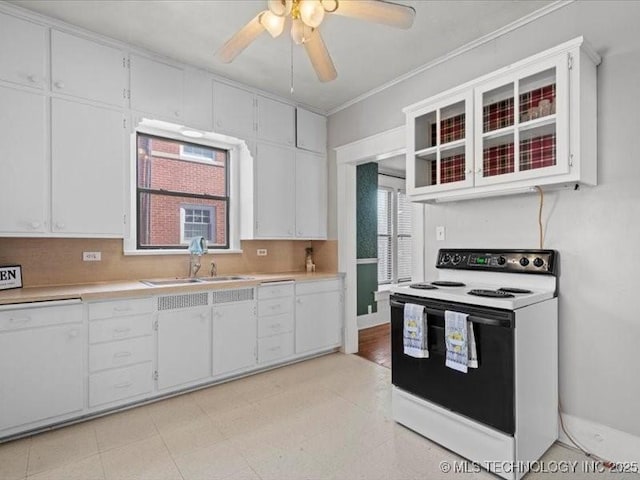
512	261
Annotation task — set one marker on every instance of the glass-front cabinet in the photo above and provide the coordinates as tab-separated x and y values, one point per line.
530	124
522	120
441	136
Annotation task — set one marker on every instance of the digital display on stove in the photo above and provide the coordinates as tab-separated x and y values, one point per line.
480	260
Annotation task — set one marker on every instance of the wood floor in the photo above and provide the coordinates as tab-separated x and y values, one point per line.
374	344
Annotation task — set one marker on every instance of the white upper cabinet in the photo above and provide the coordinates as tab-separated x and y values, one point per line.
275	191
276	121
233	110
311	195
87	69
311	131
441	157
156	88
87	155
23	52
24	191
198	100
533	123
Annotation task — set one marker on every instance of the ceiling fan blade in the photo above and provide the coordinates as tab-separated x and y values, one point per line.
378	11
320	58
240	40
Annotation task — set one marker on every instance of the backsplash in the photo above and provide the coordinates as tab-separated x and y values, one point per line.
58	261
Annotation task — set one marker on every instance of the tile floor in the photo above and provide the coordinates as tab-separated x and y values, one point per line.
327	418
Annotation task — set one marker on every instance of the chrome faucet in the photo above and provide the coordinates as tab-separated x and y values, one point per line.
214	269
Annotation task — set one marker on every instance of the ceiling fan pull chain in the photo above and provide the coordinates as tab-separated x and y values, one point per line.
291	47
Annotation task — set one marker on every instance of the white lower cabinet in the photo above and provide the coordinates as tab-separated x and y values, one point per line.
184	346
41	364
275	322
234	337
319	315
275	347
120	384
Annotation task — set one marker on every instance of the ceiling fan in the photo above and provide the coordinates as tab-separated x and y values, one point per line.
306	17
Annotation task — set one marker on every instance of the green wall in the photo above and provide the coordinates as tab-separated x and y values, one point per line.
367	234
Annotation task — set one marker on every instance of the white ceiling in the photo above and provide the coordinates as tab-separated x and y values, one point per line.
366	55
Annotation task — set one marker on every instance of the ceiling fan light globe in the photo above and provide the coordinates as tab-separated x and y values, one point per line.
311	12
272	23
280	8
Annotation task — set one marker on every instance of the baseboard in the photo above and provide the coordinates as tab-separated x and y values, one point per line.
605	442
371	320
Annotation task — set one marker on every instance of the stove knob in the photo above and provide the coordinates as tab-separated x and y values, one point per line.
501	260
446	258
538	262
524	261
456	259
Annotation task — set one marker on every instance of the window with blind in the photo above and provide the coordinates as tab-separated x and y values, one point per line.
394	236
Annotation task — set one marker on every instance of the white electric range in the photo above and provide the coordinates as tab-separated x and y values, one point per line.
502	415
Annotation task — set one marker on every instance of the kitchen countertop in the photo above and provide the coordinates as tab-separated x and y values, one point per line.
134	288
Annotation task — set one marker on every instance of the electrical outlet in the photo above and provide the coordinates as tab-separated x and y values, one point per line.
91	256
440	233
262	252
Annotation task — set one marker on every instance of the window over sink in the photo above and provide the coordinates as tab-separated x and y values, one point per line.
181	188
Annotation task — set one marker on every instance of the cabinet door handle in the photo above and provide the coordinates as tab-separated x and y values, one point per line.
177	113
59	85
203	316
59	226
299	300
274	349
125	308
121	354
276	326
123	385
73	333
118	332
34	225
32	78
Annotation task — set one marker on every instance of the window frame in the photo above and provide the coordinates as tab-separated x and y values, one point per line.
183	220
237	152
395	185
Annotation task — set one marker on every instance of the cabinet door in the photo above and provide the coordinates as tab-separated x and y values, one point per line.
24	180
311	131
184	347
275	191
233	110
440	150
87	154
22	56
522	123
87	69
234	337
198	100
318	321
311	195
41	372
276	121
156	88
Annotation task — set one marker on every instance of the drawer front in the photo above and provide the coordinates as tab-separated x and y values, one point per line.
275	324
277	290
120	328
305	288
275	347
121	308
39	317
120	354
112	385
276	306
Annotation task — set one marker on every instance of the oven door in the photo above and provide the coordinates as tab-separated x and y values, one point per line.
485	394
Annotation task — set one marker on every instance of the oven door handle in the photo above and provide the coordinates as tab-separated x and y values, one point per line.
492	322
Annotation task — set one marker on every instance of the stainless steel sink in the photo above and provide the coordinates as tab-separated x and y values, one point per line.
188	281
170	281
229	278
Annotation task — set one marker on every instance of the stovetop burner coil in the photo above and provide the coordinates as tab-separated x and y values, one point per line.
423	286
490	293
445	283
514	290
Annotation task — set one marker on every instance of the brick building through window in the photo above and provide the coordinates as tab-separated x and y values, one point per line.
182	192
